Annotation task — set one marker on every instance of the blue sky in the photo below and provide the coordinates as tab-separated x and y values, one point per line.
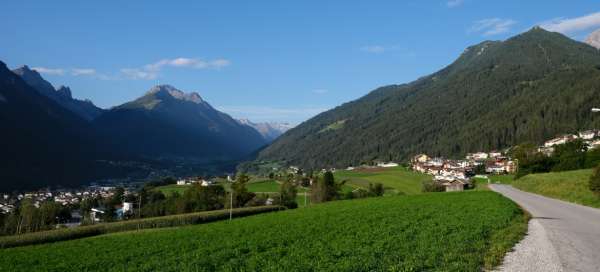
263	60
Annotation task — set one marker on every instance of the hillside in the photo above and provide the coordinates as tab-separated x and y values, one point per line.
168	123
62	95
377	234
42	142
496	94
571	186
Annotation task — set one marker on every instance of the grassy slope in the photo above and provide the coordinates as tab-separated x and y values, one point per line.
433	232
397	179
570	186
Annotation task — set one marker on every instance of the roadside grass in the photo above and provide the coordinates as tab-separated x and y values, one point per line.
128	225
394	179
571	186
464	231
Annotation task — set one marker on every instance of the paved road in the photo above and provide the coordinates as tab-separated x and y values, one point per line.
573	231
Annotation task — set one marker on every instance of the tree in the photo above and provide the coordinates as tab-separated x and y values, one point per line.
287	194
594	183
569	156
325	188
241	196
376	190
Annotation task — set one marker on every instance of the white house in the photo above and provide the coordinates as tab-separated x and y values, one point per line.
588	134
181	182
560	140
480	156
127	207
495	154
387	165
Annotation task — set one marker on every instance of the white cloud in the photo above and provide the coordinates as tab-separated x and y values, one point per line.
377	49
83	71
492	26
320	91
133	73
454	3
571	25
151	71
49	71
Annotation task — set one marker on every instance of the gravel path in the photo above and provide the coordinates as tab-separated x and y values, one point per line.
534	253
562	236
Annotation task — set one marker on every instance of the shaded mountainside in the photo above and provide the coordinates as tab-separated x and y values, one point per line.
169	123
496	94
84	108
42	143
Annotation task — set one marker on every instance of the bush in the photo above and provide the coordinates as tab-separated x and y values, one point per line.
432	186
139	224
594	182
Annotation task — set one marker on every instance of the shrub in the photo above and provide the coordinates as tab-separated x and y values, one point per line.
594	182
432	186
139	224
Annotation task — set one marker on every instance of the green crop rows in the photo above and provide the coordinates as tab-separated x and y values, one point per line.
430	232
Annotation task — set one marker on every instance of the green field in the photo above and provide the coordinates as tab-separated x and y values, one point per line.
394	179
569	186
430	232
173	188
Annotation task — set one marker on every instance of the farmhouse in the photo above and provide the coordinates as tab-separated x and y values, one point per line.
455	185
422	158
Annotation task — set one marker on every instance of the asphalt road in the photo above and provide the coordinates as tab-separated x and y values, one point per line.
572	233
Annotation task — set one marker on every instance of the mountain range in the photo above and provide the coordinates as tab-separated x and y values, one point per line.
269	130
52	139
496	94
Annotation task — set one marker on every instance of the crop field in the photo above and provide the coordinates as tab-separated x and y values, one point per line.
569	186
394	179
430	232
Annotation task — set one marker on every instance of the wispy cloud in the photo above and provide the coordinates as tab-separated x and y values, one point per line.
454	3
377	49
152	70
261	113
83	72
572	25
49	71
492	26
320	91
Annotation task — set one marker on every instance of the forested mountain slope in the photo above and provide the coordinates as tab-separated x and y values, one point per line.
496	94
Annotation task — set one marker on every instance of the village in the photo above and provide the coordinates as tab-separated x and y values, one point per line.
456	175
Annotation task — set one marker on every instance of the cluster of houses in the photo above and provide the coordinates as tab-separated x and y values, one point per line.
591	138
64	197
196	180
455	175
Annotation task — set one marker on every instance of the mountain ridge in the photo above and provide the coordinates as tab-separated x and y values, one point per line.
495	94
62	95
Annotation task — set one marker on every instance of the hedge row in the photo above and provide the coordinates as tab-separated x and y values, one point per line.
128	225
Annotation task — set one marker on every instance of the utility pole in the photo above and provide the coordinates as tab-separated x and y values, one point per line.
231	205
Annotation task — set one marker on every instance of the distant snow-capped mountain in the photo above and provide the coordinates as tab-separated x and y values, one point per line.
269	130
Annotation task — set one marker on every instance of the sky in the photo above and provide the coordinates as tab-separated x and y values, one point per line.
282	61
